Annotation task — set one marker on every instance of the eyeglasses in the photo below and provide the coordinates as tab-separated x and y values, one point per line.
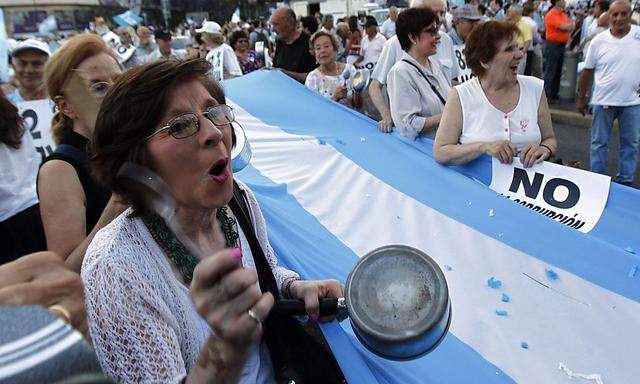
188	124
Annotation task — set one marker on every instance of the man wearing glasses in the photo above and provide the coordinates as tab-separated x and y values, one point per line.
29	59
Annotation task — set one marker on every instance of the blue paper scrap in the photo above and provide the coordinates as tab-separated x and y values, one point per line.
524	345
339	141
632	271
448	267
494	283
501	312
630	250
505	298
551	274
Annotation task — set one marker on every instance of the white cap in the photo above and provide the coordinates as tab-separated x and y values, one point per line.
209	27
31	44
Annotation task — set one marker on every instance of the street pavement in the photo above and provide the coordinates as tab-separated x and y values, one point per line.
573	145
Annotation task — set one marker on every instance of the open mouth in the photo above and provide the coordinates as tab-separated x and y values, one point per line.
218	171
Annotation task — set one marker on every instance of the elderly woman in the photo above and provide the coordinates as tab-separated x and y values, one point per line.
72	203
248	59
416	84
497	112
171	117
328	79
220	55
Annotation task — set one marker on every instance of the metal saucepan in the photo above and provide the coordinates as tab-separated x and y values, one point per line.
241	150
397	300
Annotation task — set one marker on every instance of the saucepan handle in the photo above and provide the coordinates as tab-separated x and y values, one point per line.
328	306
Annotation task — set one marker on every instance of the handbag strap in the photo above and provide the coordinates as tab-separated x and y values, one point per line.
433	88
266	279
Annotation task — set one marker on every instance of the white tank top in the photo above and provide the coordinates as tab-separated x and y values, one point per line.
481	121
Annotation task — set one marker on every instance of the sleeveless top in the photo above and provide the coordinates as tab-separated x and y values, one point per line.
95	194
481	121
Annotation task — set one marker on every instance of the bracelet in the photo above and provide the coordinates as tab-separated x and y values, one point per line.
286	292
550	151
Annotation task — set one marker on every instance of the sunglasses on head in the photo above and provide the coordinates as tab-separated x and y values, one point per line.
188	124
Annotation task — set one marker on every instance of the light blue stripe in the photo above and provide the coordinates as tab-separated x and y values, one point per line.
303	244
277	100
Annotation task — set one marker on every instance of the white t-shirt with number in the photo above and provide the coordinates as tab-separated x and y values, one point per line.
617	68
224	56
392	52
18	177
371	50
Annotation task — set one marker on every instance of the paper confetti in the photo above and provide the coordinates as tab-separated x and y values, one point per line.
321	142
362	139
524	345
551	274
505	298
448	267
501	312
339	141
491	214
494	283
632	271
630	250
592	376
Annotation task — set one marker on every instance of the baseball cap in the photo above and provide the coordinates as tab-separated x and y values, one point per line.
209	27
31	44
467	11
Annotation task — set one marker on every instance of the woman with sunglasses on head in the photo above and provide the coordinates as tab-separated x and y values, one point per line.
416	84
157	311
71	201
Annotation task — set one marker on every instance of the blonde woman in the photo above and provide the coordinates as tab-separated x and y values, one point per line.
328	79
71	202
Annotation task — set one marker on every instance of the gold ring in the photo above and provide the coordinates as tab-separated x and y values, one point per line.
60	311
252	314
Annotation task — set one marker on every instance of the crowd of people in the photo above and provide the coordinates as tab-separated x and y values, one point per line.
478	79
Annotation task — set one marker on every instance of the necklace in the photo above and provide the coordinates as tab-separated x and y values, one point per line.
176	251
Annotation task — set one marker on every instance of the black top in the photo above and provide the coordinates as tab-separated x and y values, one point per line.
96	195
294	57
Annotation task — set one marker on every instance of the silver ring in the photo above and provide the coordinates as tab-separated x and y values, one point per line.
252	314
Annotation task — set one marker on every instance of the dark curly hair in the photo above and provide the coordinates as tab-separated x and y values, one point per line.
12	128
483	43
130	112
235	36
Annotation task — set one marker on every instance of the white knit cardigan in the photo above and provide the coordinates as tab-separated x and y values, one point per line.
141	319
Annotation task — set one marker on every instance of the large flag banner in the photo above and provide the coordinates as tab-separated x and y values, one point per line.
533	300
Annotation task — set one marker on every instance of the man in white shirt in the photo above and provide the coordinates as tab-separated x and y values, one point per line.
392	52
465	18
389	26
29	59
371	45
614	58
164	50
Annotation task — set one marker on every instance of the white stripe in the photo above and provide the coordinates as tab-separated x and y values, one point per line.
589	338
36	345
33	337
37	358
